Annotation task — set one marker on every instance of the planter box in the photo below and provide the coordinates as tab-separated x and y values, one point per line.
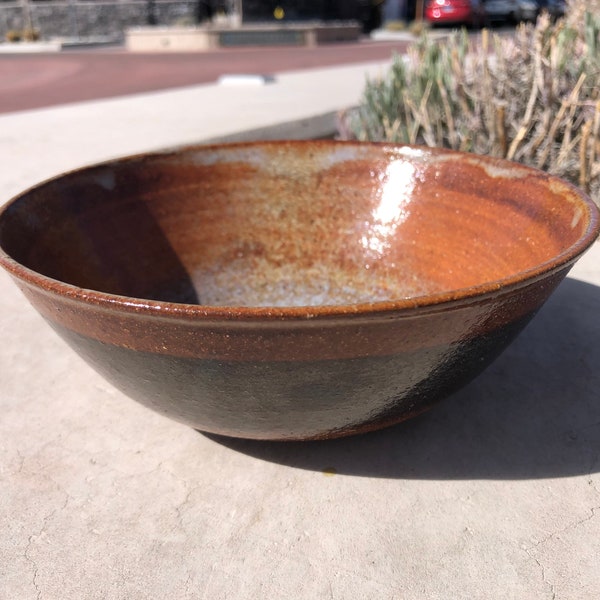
193	39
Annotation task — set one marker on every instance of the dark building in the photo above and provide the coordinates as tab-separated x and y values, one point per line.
365	11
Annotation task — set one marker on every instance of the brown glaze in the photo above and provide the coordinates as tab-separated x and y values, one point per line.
292	265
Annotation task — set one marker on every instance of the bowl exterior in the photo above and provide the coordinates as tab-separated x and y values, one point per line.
296	379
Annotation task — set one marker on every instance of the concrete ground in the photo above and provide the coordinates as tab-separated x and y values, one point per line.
494	494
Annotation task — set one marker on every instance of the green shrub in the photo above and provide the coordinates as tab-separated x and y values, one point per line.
533	97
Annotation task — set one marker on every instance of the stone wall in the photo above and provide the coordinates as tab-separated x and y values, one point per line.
110	18
85	19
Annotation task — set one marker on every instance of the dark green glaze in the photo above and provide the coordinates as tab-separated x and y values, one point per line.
287	400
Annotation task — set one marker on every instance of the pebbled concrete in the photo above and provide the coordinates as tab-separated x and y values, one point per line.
494	494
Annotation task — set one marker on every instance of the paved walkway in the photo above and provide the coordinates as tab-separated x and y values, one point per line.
33	81
39	143
494	494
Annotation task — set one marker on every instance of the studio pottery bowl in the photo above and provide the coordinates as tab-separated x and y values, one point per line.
293	290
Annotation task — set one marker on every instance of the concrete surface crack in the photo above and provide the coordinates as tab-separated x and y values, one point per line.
552	535
27	552
179	509
34	566
21	461
188	583
68	498
570	526
585	519
549	584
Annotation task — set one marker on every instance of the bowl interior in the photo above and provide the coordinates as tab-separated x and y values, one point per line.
293	224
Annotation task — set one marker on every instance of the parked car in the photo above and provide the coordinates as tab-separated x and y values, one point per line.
449	12
556	8
510	10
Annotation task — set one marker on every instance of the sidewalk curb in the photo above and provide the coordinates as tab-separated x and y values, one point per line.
319	126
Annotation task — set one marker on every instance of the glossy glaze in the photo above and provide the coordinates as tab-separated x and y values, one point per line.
293	290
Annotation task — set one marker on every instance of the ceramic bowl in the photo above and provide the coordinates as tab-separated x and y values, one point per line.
293	290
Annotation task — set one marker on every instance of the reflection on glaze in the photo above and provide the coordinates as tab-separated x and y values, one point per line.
394	193
106	179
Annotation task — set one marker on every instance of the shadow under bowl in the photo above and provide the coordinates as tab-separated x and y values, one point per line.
293	290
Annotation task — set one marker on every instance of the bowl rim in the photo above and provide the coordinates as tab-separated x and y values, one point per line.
429	302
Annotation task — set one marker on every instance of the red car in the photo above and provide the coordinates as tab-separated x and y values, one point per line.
467	12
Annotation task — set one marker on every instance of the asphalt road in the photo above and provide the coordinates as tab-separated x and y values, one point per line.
30	81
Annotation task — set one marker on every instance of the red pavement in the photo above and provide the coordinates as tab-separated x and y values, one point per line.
34	81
